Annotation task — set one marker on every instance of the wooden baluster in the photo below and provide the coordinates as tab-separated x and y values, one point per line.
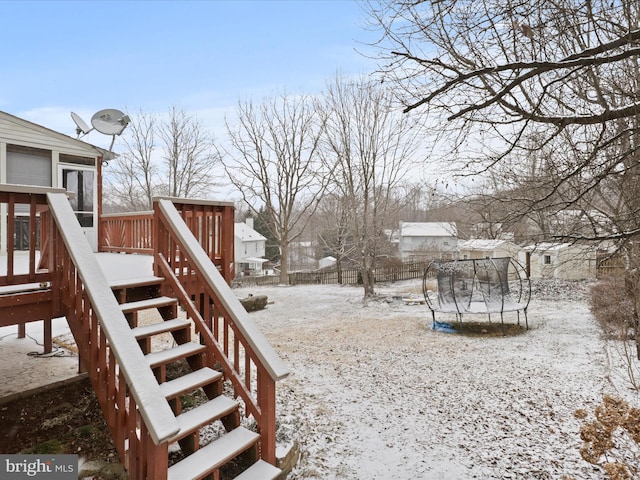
227	245
236	355
247	370
11	218
121	414
132	462
267	420
101	358
225	333
32	238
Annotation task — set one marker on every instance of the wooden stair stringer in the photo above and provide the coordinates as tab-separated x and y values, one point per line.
198	461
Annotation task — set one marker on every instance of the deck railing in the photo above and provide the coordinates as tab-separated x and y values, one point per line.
25	295
220	320
26	202
211	222
138	415
193	248
126	232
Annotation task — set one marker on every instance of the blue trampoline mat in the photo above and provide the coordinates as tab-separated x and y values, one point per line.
444	327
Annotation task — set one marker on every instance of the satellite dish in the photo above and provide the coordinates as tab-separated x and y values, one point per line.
81	125
110	121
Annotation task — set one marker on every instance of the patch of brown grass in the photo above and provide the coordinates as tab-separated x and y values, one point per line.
486	329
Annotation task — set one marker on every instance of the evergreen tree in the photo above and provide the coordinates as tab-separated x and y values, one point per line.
261	225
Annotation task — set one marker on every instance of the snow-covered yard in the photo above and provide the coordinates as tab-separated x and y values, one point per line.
374	393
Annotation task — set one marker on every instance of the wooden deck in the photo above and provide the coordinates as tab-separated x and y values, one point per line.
25	367
116	266
100	295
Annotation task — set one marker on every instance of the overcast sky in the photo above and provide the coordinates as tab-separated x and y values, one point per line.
201	56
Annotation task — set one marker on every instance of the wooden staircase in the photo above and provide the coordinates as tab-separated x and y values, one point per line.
146	374
184	370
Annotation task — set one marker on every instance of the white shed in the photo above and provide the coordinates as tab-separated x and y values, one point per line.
567	261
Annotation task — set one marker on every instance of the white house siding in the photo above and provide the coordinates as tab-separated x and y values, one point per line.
427	240
22	133
249	248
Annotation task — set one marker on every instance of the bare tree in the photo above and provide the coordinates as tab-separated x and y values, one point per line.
503	80
369	148
162	156
273	162
334	229
133	177
188	155
500	80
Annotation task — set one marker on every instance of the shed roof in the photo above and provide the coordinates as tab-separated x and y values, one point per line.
481	244
546	247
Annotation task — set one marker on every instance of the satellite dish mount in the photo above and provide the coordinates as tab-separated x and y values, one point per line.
81	126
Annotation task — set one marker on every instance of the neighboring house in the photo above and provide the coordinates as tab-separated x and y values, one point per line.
567	261
37	156
476	248
249	248
427	240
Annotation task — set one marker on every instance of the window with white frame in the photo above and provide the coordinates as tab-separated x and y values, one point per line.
82	183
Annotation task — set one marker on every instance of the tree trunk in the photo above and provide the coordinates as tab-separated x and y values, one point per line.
636	317
366	272
284	264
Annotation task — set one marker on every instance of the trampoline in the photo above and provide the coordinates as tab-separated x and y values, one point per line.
482	286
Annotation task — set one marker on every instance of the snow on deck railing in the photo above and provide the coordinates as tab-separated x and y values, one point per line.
20	263
154	409
232	339
255	339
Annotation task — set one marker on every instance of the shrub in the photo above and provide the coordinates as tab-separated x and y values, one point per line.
612	305
612	437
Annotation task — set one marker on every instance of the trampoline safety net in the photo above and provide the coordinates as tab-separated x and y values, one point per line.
480	286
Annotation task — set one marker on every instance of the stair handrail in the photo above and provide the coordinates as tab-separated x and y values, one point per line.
255	338
159	419
179	251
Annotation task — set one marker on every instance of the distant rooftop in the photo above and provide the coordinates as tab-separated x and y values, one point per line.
428	229
247	234
481	244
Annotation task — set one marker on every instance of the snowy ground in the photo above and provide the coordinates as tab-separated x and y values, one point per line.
374	393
